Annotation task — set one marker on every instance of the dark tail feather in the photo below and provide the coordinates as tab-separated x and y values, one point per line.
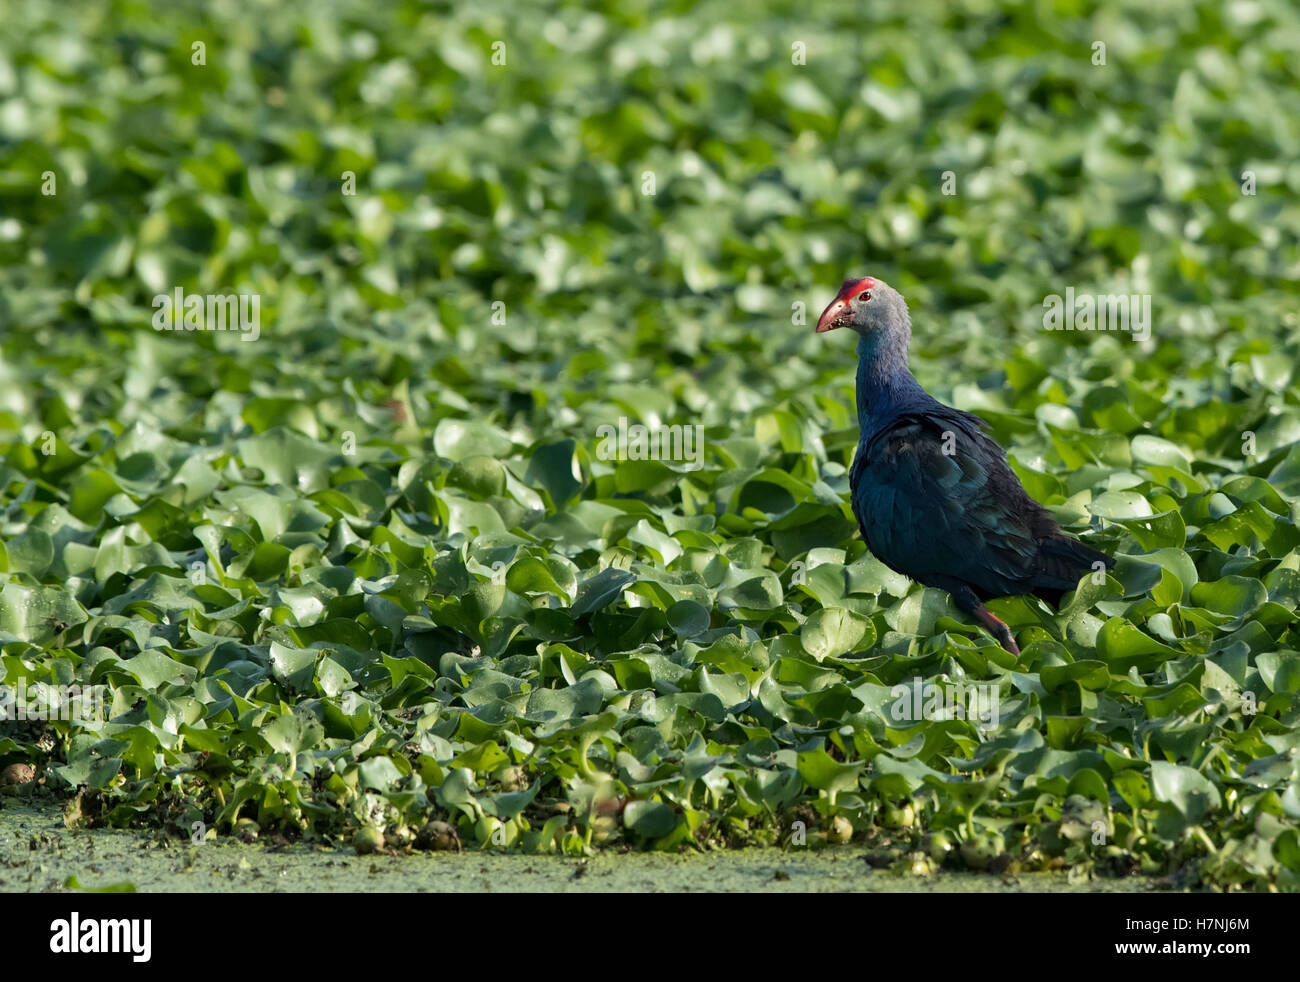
1061	561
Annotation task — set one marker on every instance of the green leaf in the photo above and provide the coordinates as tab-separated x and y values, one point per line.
834	631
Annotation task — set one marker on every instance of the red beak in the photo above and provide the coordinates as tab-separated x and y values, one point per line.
833	310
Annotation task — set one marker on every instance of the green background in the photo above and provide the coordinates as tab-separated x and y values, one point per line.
425	595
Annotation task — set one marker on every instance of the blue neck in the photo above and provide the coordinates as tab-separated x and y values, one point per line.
886	387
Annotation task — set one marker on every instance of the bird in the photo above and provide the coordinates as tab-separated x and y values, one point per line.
933	494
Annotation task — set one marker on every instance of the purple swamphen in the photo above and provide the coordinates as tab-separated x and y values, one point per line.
933	493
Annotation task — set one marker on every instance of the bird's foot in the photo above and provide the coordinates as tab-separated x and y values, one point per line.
997	628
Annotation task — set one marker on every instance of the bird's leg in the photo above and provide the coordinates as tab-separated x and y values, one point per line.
964	597
997	628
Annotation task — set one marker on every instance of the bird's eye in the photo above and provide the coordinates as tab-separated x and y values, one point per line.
864	296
